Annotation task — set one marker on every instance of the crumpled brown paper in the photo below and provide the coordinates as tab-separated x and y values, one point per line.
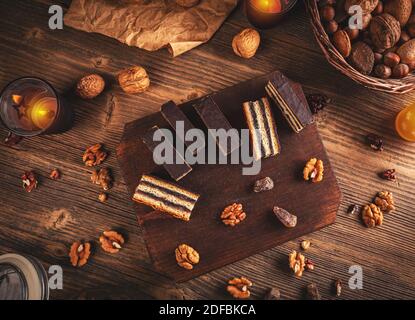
151	24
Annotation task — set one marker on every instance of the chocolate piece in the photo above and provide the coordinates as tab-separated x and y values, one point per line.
262	128
172	113
291	104
213	118
165	197
176	170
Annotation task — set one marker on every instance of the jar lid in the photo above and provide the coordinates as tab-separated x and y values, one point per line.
22	278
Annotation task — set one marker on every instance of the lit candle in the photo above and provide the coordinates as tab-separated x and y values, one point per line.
268	5
267	13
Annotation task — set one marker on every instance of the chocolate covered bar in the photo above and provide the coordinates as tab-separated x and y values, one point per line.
179	167
292	105
262	128
213	118
172	113
165	197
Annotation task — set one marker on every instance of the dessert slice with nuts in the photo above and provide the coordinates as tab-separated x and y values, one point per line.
111	241
239	287
233	214
186	256
313	170
79	253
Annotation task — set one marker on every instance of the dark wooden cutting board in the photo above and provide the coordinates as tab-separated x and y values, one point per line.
315	205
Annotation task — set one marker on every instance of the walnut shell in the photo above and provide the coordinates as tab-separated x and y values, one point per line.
400	9
187	3
362	58
367	5
342	42
407	52
385	31
134	80
246	43
90	86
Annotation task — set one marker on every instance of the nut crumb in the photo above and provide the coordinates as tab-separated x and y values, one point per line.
389	175
305	244
103	178
309	265
354	208
55	174
103	197
338	287
375	142
239	287
29	181
94	155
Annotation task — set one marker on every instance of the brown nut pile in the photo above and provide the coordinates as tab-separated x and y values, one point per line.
186	256
314	170
239	288
79	253
111	241
246	43
384	46
134	80
187	3
384	200
233	215
296	262
29	181
90	86
102	178
94	155
372	216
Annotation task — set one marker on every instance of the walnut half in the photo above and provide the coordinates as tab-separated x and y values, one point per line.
384	200
233	214
79	253
372	216
296	262
314	170
239	287
111	241
186	256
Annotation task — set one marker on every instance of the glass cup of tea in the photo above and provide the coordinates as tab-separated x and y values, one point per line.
31	106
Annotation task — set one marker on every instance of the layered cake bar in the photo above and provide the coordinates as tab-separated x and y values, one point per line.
165	197
262	128
293	107
179	167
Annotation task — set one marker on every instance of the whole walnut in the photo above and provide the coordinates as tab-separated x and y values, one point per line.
134	80
407	52
187	3
400	9
385	31
246	43
90	86
367	5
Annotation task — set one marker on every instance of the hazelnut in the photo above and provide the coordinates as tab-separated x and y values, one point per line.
90	86
391	59
246	43
327	13
378	58
331	27
378	9
400	71
134	80
410	29
187	3
353	33
382	71
342	42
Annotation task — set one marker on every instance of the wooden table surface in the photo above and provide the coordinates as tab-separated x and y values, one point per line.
45	222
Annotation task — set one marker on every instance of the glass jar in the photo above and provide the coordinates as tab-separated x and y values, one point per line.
22	277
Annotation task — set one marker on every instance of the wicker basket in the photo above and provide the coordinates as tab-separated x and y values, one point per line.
398	86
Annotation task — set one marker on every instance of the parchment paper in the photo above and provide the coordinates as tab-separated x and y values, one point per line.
151	24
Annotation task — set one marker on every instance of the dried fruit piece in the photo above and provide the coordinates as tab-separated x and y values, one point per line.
186	256
94	155
354	208
375	142
246	43
296	262
314	170
29	181
273	294
111	241
90	86
372	216
103	178
102	197
233	214
287	219
384	200
79	253
305	244
134	80
317	102
55	174
389	174
338	287
12	139
264	184
312	292
239	287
